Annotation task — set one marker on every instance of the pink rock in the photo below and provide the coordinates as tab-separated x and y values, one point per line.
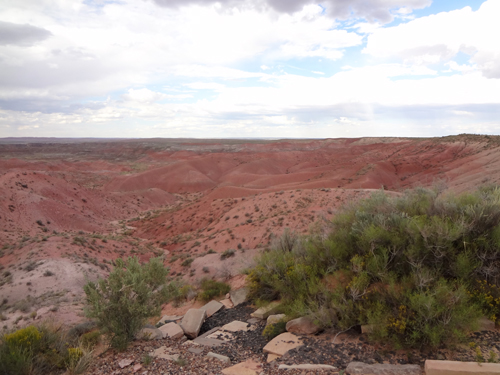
282	343
125	362
302	326
137	367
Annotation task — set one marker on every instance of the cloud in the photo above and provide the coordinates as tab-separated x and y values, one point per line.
21	35
371	10
440	37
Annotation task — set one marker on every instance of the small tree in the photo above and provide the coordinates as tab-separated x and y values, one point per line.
132	293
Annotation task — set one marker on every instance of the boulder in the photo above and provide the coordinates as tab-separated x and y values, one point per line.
227	303
265	311
192	321
282	344
172	330
169	318
273	319
212	307
238	296
486	324
433	367
360	368
302	326
367	328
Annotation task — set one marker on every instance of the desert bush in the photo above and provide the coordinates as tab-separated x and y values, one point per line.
421	266
274	329
132	293
212	288
90	339
227	254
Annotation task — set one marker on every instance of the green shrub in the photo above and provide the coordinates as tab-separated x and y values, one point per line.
274	329
212	289
420	266
90	339
227	254
132	293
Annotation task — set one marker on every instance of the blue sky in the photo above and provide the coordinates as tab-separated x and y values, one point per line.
249	68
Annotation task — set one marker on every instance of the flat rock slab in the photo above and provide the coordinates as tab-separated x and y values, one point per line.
307	367
433	367
220	357
272	357
221	335
249	367
238	296
302	326
125	362
149	334
227	303
165	353
192	321
172	330
235	326
282	343
360	368
169	318
208	342
212	307
264	312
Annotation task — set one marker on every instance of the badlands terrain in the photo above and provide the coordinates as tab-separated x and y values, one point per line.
69	207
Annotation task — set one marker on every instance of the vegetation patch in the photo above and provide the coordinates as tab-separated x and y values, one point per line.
422	268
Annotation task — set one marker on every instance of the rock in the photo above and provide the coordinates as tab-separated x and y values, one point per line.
433	367
125	362
307	367
273	319
192	321
238	296
221	335
486	324
169	318
367	328
302	326
149	334
227	303
221	358
235	326
165	353
249	367
360	368
195	350
137	367
212	307
282	344
253	321
264	312
208	342
172	330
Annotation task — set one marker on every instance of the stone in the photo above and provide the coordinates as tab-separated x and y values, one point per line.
137	367
172	330
433	367
165	353
195	350
282	344
360	368
272	357
220	357
302	326
192	321
253	321
238	296
149	334
273	319
367	328
486	324
208	342
264	312
221	335
249	367
169	318
125	362
212	307
235	326
307	367
227	303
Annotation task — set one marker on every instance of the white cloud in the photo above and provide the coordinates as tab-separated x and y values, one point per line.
440	37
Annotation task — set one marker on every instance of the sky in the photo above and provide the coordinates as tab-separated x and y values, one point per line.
249	68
